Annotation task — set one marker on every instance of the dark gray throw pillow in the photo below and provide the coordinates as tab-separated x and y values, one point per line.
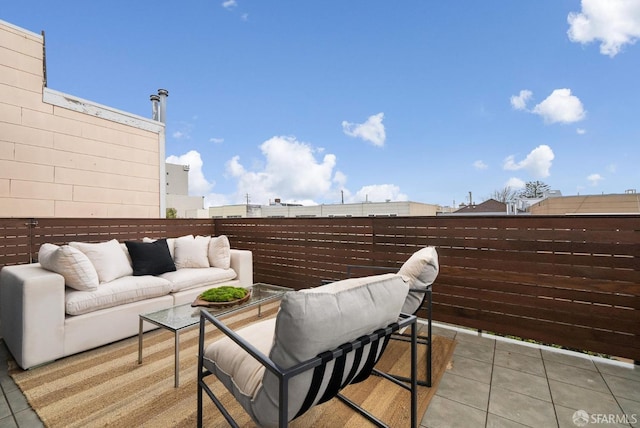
150	258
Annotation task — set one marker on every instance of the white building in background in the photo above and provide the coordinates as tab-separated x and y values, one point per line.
278	209
177	186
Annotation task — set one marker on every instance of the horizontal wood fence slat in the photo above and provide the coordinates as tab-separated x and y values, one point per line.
565	280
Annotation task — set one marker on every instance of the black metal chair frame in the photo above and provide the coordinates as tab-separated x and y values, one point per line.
285	375
422	340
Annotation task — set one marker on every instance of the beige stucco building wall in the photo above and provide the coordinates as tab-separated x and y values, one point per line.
63	156
365	209
628	203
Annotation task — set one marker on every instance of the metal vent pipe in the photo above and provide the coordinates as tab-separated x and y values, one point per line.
155	113
163	94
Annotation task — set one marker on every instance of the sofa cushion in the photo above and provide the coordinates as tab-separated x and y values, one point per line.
421	269
108	258
120	291
150	258
191	252
72	264
219	252
186	278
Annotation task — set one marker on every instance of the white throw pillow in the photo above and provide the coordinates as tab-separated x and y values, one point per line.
192	252
108	258
220	252
72	264
421	270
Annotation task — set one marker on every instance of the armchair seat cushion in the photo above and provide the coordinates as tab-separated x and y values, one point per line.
238	370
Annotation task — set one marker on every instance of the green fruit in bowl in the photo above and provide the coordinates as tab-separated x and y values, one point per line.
224	294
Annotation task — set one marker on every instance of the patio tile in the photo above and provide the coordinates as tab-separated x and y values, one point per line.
8	422
622	387
474	350
17	401
465	391
576	376
523	348
523	363
566	419
495	421
624	370
446	413
7	384
471	369
28	418
521	382
5	410
521	408
571	359
631	409
577	398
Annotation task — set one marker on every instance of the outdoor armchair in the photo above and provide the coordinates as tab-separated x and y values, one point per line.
321	340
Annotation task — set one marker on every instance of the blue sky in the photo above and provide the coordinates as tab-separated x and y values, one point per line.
414	100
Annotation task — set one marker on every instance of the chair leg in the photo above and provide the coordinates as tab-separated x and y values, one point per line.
199	405
414	375
429	329
423	341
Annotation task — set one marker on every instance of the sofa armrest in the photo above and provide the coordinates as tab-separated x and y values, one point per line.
32	313
242	263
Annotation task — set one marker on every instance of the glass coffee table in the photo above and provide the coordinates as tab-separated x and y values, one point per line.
181	317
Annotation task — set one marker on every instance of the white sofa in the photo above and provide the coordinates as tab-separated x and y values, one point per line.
43	318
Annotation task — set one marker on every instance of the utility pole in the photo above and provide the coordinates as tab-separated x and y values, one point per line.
247	196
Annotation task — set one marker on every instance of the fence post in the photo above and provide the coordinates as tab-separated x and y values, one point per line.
32	223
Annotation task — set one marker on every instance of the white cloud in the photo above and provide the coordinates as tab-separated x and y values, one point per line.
291	173
515	183
519	102
229	4
612	168
244	17
614	23
372	130
198	184
379	193
537	163
216	140
581	131
561	107
178	135
480	165
595	179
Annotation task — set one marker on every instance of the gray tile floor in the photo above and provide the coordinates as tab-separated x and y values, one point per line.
492	382
496	382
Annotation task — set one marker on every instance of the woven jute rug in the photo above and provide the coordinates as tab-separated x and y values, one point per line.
107	387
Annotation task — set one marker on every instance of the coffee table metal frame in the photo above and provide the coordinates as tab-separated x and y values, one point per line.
182	317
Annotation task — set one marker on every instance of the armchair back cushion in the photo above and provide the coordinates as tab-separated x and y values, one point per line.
420	270
320	319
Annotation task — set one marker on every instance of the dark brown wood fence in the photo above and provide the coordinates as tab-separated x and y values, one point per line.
566	280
